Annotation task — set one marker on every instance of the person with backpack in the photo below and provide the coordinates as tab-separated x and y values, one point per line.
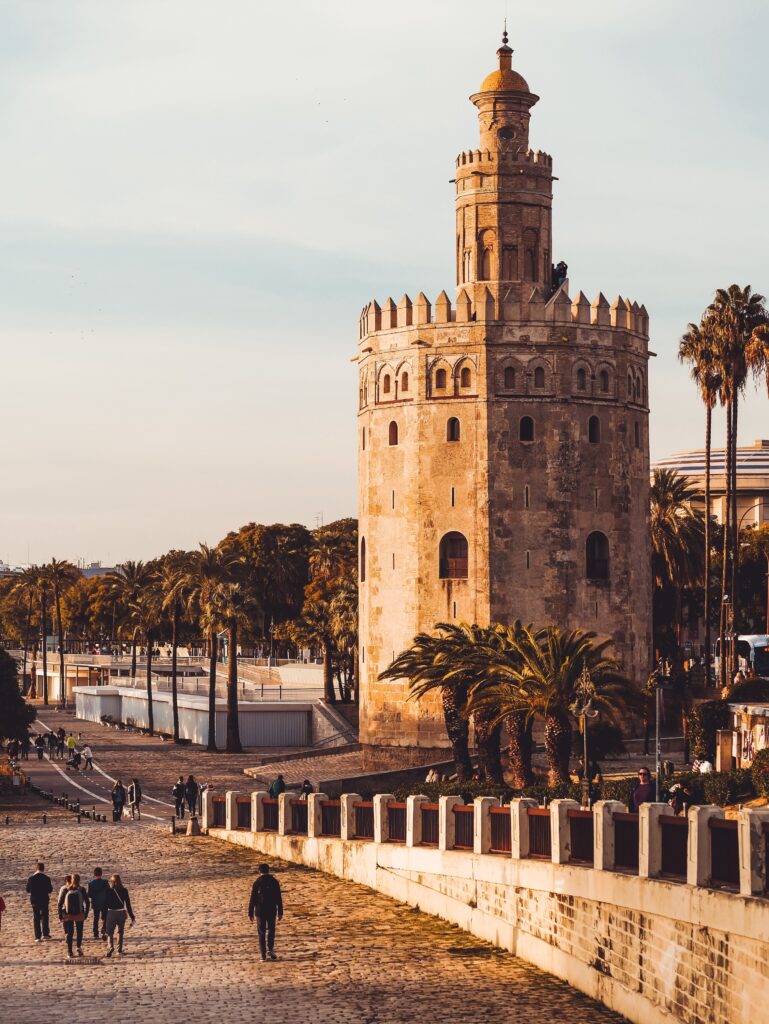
178	794
73	910
266	905
191	790
118	800
39	888
51	740
98	888
135	798
277	786
118	910
39	746
60	740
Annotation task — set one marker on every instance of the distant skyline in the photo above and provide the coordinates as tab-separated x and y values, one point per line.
200	198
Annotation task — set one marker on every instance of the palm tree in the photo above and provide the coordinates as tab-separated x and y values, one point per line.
171	582
126	585
343	612
699	348
25	587
234	607
61	575
145	614
543	680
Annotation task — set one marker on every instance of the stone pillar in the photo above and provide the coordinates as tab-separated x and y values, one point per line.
257	810
752	840
315	815
414	819
208	813
698	859
284	813
650	839
560	829
381	821
346	801
482	823
231	810
603	833
519	827
446	821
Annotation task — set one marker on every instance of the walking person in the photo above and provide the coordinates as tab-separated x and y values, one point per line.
98	888
60	741
191	790
135	798
277	786
39	888
40	747
118	910
87	757
73	910
644	792
26	743
118	800
178	794
266	905
51	740
70	744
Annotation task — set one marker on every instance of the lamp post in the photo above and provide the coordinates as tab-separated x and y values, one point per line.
582	708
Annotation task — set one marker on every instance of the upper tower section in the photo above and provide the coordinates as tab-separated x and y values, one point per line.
504	197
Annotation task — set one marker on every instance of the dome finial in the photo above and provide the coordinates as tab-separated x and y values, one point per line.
504	34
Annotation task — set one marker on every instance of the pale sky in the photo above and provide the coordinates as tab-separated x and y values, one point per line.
198	197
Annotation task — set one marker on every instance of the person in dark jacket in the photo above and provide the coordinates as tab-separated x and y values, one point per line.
98	888
73	910
191	790
39	888
277	786
265	905
40	747
644	792
118	909
307	788
135	798
118	800
178	794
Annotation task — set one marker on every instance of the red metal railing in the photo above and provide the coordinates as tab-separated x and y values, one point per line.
674	839
540	836
218	812
581	836
396	821
299	816
464	826
626	841
429	814
364	819
501	834
243	807
270	814
724	852
330	817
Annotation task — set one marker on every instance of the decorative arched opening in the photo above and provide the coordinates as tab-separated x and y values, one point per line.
465	377
452	557
363	559
440	380
486	241
603	379
539	377
530	265
597	556
404	381
393	434
594	430
629	386
581	380
637	432
510	377
386	384
453	429
526	429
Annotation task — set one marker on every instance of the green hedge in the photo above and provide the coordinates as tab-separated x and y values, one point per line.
704	721
759	772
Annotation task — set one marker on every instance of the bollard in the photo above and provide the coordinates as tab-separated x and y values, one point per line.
173	824
45	821
78	819
7	820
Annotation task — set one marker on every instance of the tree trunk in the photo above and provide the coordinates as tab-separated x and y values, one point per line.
328	674
487	744
725	566
43	617
233	730
458	731
60	633
708	431
735	535
519	749
33	674
174	685
26	644
212	644
557	748
133	652
150	714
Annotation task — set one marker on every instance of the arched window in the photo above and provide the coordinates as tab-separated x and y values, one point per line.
452	429
386	384
440	380
485	265
465	377
404	381
530	265
581	379
539	377
393	433
363	559
594	430
603	377
526	429
597	557
509	376
637	431
452	557
629	386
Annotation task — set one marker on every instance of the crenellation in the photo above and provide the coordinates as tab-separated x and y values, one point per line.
405	312
601	311
422	309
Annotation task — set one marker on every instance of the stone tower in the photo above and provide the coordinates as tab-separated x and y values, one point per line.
503	440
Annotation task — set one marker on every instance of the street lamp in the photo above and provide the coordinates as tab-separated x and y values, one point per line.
582	708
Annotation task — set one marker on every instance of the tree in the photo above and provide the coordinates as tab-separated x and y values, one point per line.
61	575
145	613
126	586
171	584
16	716
26	588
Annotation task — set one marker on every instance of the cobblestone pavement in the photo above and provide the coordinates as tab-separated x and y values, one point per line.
347	955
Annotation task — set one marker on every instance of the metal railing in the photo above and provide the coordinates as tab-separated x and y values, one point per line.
626	841
218	812
674	839
270	813
396	821
581	836
364	819
540	837
429	814
724	852
298	816
243	807
330	818
501	832
464	826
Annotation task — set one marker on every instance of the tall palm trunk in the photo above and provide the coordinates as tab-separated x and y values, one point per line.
735	533
43	616
487	743
233	730
212	652
557	748
150	714
134	639
33	673
26	643
458	731
519	749
328	673
726	546
174	685
708	432
60	634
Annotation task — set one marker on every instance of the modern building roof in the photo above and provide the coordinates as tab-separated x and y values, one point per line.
750	461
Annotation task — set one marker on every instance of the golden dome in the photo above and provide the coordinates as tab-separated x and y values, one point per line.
504	80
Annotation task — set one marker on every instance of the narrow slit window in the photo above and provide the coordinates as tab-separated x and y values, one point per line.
528	560
526	496
452	497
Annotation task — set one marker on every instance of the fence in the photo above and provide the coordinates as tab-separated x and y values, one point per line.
243	805
581	836
429	824
364	819
626	841
724	852
540	836
298	817
501	832
396	821
270	808
219	812
330	817
464	826
674	839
